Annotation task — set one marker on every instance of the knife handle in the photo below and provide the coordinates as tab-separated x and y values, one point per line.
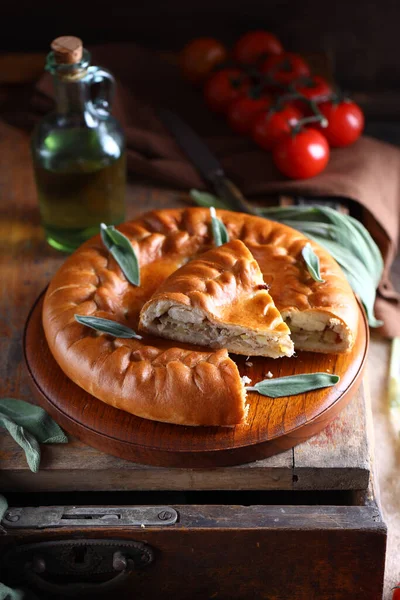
230	193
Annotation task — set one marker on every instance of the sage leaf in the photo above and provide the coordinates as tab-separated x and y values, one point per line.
312	262
348	242
207	200
30	426
122	250
345	238
107	326
357	274
219	230
293	384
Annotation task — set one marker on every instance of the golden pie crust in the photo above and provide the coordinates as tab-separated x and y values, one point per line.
219	300
165	380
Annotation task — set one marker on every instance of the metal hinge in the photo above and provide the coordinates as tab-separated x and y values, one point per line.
89	516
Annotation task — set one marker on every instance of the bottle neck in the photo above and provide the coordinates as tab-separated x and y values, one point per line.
71	95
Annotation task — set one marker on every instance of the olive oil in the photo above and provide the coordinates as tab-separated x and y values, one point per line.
73	201
78	150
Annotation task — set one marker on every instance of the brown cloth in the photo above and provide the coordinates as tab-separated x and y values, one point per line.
367	172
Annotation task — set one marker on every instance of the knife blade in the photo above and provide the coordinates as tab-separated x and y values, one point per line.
206	163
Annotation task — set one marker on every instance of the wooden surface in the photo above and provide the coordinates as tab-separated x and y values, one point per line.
336	458
238	552
27	264
272	425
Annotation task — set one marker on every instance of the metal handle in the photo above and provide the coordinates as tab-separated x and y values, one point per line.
105	92
123	565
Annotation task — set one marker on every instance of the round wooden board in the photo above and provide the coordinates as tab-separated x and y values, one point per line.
273	425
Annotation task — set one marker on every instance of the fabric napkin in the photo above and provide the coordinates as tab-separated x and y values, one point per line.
367	172
29	425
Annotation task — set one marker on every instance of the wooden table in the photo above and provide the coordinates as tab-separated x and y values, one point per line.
332	470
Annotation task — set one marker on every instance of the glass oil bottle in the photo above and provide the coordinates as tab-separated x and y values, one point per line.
78	150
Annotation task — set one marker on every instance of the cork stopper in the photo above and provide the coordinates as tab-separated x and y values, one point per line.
67	50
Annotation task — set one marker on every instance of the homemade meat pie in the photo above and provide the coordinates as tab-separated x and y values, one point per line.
219	300
170	381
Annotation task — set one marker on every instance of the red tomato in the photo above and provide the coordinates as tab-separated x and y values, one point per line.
286	67
396	592
242	112
255	44
223	87
301	155
345	122
269	127
313	88
200	56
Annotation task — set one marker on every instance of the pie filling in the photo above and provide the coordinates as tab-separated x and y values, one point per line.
308	331
318	332
193	327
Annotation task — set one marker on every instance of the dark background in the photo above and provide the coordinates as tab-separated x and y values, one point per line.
362	38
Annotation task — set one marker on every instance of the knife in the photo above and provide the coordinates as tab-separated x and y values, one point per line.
206	163
212	171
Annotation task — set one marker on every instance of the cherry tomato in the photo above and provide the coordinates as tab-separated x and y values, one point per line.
301	155
268	128
223	87
313	87
243	111
254	44
345	122
286	67
200	56
396	592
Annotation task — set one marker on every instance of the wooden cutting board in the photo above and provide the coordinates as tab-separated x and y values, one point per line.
273	425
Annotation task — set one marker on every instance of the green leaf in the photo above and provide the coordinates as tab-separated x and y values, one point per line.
360	279
34	419
28	425
345	238
219	230
7	593
312	262
207	200
339	227
294	384
3	507
352	235
123	252
107	326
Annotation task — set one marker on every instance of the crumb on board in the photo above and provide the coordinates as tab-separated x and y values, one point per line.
268	375
246	380
248	363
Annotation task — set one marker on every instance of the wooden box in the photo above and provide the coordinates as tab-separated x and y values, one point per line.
303	524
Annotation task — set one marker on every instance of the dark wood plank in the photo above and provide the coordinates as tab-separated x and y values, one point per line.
342	450
232	552
339	457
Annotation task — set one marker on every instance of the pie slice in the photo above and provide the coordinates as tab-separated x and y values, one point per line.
219	300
